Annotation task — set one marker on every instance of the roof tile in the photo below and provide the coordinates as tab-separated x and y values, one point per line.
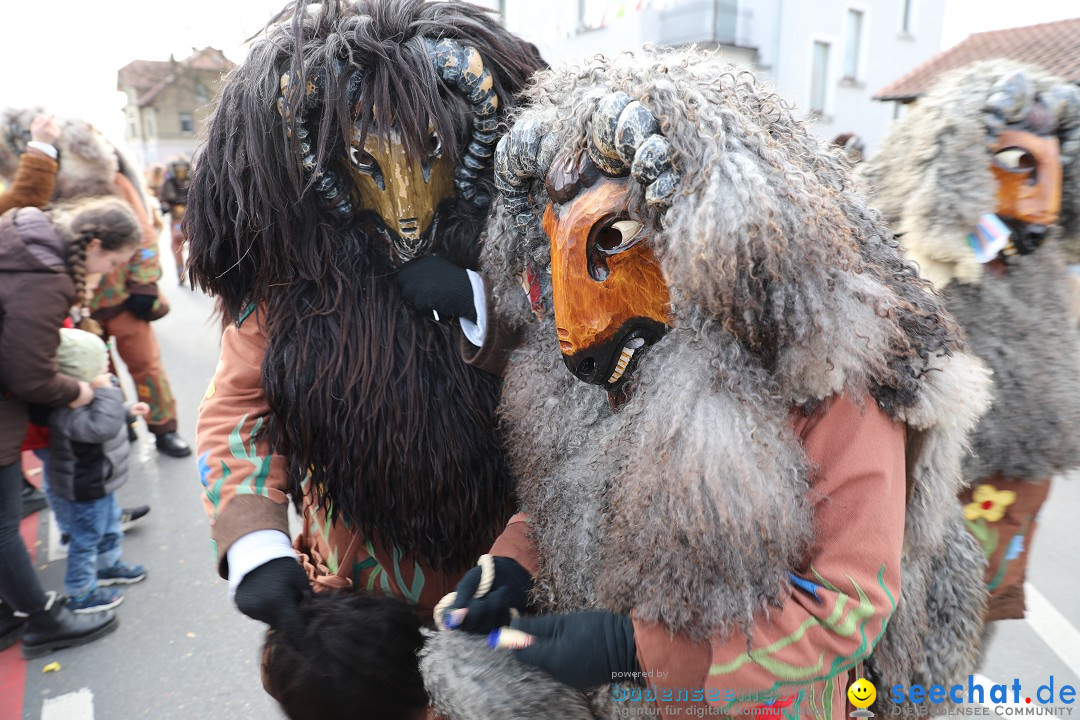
1054	46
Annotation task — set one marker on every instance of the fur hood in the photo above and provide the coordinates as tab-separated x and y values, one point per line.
689	504
932	176
88	161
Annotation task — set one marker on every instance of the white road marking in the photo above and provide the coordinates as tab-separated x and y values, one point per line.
78	705
1053	628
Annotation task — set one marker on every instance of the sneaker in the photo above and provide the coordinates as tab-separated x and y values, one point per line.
121	574
97	600
130	516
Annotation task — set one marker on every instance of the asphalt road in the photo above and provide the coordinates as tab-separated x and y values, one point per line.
183	652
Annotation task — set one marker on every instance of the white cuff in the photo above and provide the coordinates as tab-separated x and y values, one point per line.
475	331
43	147
255	549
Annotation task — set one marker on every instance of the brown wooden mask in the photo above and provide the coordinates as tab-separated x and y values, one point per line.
402	189
1028	171
609	294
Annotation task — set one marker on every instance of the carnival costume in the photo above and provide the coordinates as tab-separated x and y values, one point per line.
981	180
126	299
356	138
770	428
173	196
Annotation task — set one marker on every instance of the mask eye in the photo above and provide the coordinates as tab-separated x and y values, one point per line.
608	237
364	162
1016	160
433	146
617	236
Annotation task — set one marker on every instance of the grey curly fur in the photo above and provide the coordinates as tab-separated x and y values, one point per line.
932	176
1020	326
457	671
933	179
651	508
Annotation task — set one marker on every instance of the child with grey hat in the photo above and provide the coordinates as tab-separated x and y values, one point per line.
88	461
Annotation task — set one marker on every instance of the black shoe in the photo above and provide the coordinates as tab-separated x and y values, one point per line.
172	444
11	627
56	627
33	499
129	516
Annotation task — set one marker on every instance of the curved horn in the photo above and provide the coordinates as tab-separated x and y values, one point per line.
1012	96
605	121
519	158
652	158
462	67
625	136
328	186
635	124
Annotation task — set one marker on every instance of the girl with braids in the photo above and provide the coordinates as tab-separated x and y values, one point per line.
45	257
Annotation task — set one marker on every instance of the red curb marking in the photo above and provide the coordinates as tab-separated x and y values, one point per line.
12	665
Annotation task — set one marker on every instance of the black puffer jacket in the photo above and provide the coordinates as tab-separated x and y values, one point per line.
89	448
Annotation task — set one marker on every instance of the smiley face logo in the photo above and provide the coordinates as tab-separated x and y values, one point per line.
862	693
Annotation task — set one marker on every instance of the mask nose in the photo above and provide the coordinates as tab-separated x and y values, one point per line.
583	366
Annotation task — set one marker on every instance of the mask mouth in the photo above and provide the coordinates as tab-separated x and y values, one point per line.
1026	237
401	250
612	363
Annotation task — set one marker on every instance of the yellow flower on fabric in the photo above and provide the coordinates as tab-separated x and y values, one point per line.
989	503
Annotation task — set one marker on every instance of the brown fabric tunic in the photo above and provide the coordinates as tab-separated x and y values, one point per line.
1001	513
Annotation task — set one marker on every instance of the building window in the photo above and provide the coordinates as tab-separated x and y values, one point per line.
819	74
187	124
133	128
908	23
201	93
151	126
853	48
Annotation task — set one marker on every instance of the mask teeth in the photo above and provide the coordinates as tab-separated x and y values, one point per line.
620	367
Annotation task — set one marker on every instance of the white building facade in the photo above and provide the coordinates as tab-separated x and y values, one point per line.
826	57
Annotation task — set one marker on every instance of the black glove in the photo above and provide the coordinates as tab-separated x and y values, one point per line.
582	649
432	283
141	305
510	589
271	593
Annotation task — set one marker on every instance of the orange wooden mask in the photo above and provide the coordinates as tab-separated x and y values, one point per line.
1028	171
609	294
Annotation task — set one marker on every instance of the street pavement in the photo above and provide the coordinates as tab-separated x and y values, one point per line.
183	652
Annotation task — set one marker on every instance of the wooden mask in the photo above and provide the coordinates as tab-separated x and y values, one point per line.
609	293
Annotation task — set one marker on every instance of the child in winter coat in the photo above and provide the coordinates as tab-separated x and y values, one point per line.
88	461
